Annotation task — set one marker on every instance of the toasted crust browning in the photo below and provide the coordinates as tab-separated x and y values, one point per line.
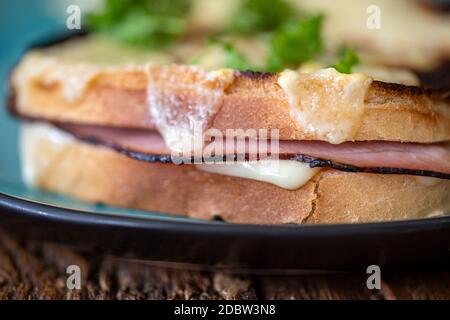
169	97
117	97
97	174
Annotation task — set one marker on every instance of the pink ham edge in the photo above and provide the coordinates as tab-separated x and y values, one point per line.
415	156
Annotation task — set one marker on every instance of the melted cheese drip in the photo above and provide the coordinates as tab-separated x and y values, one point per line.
287	174
326	105
182	100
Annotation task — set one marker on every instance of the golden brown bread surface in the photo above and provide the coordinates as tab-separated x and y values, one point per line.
97	174
59	90
68	89
392	112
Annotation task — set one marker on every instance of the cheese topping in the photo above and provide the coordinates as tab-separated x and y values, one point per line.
326	104
73	78
73	65
182	100
377	72
287	174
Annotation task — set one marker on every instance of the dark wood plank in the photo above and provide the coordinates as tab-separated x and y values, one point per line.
419	285
34	270
313	287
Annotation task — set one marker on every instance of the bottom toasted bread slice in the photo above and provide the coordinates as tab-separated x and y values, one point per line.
54	161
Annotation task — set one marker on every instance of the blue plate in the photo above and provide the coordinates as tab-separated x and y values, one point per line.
161	237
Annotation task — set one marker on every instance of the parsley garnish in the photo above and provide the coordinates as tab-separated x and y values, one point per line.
151	23
293	38
260	15
296	42
347	60
235	59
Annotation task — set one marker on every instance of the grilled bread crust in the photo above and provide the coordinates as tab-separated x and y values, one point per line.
117	97
99	175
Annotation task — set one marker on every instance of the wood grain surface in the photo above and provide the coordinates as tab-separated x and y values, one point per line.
35	270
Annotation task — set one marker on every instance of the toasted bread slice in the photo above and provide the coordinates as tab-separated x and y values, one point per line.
99	175
51	84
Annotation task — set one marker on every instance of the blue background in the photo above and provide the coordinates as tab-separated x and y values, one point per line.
22	23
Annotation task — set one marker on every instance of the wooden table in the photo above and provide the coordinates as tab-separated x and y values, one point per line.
31	269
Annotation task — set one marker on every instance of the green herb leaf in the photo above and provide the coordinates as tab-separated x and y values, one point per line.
233	58
261	15
347	60
296	42
151	23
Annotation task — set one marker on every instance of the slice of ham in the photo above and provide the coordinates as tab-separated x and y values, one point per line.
364	154
138	140
432	157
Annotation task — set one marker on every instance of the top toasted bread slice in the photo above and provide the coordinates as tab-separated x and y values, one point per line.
59	84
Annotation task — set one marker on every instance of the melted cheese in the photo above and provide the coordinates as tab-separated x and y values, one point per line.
287	174
73	77
428	181
377	72
326	104
75	63
183	100
389	74
39	142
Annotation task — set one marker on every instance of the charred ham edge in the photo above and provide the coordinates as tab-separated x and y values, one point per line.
320	163
137	155
313	162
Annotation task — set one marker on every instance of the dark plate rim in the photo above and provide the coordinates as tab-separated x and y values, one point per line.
30	208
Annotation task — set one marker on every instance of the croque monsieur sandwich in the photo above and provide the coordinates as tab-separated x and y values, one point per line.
177	125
